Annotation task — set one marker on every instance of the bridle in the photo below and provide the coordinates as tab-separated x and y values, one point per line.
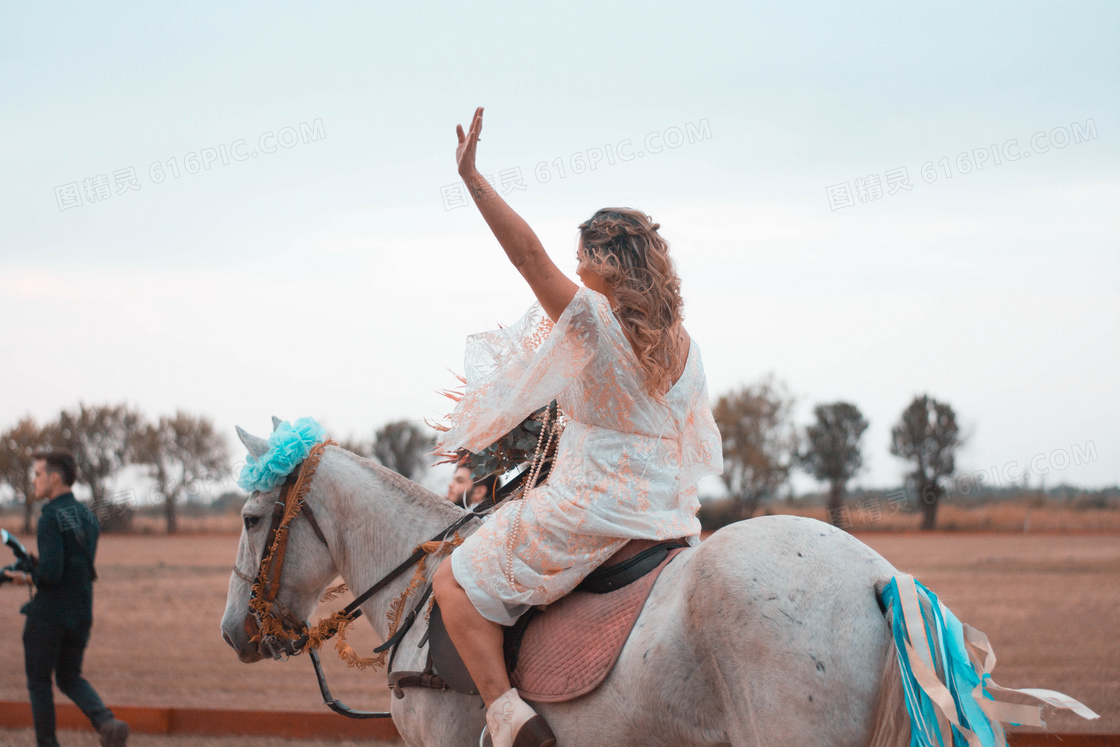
267	620
277	628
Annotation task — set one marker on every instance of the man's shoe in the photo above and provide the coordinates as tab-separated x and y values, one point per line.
114	733
511	722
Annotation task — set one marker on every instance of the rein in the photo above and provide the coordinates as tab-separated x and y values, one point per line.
268	621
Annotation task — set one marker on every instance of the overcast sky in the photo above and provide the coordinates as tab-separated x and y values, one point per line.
251	211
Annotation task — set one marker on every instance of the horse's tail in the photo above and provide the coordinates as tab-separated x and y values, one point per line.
937	678
890	726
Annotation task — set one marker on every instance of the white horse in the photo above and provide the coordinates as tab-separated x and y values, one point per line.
768	633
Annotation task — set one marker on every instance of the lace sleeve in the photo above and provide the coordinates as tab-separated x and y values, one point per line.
512	372
701	442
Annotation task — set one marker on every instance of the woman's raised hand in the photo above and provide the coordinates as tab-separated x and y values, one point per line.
464	154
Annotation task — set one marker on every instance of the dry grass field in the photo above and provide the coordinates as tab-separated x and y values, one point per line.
1050	603
1016	517
26	738
158	603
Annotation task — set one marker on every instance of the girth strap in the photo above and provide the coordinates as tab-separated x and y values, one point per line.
431	680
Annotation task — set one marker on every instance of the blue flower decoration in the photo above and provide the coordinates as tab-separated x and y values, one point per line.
288	445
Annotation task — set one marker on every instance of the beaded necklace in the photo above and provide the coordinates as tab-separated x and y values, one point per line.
551	427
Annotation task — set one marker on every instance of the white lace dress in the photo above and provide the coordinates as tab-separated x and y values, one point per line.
626	466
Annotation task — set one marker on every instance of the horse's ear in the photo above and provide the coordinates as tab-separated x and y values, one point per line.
257	446
276	422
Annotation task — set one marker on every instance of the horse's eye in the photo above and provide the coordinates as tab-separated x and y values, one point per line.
251	521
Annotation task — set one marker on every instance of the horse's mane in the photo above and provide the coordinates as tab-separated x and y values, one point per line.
413	492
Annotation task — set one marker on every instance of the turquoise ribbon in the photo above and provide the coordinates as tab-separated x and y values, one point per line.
945	637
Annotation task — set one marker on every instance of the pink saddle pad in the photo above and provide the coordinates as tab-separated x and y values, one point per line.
570	647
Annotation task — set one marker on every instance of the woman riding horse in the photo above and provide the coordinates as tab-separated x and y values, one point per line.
638	432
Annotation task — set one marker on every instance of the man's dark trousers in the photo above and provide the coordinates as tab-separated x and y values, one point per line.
48	648
60	615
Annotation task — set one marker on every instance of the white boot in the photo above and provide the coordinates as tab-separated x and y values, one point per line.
511	722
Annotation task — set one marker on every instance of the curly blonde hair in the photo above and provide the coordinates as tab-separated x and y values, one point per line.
622	246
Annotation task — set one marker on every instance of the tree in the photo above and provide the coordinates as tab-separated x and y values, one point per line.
759	442
356	446
832	452
928	436
180	450
17	444
101	438
401	447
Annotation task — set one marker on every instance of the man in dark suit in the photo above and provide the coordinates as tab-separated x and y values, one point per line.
60	615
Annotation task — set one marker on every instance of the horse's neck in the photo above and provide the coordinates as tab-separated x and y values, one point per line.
381	518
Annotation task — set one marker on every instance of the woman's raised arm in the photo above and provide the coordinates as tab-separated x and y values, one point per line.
552	288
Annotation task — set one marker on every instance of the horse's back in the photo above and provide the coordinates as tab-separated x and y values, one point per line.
796	638
769	632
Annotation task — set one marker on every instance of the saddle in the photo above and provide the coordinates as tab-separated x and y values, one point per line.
566	649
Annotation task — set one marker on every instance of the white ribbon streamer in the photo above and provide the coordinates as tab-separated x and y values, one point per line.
921	664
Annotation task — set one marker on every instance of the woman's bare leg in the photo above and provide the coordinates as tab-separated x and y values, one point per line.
478	640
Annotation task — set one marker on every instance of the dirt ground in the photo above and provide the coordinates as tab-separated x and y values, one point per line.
1050	604
25	737
156	640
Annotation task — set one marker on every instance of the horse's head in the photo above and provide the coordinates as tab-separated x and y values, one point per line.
307	567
